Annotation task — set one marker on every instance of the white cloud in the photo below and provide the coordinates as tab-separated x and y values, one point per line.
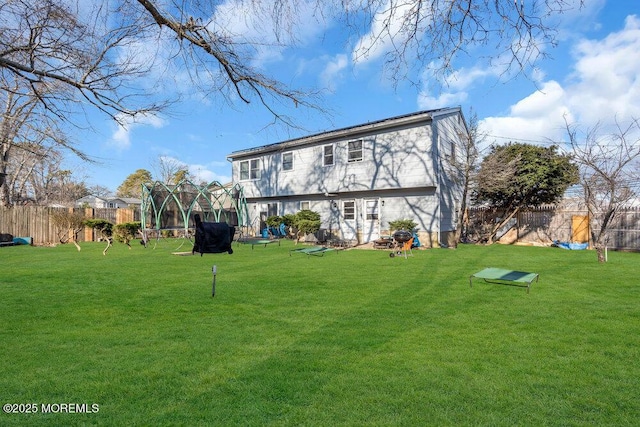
121	137
333	72
386	25
457	86
604	86
446	99
267	32
202	173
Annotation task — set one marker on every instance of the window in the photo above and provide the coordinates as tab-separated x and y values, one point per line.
327	155
244	171
287	161
349	210
249	169
355	151
372	209
305	206
453	153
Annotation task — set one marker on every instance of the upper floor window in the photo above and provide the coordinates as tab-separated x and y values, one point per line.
349	209
250	169
354	151
327	155
287	161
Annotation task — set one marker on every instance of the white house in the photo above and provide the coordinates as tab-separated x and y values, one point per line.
99	202
361	177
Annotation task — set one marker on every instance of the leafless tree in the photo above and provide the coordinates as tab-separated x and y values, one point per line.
91	47
609	174
413	34
467	168
65	56
30	143
68	223
169	170
59	57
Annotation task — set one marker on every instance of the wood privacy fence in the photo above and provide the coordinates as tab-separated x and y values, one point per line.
538	226
35	222
547	224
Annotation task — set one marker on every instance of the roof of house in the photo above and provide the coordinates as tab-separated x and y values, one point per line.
350	131
110	198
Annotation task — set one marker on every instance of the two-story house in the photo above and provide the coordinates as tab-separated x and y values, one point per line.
362	177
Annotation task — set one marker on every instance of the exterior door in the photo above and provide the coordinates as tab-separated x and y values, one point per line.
371	223
349	225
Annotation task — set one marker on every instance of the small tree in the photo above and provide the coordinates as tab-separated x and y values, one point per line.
609	166
516	176
126	232
104	227
468	168
306	222
68	224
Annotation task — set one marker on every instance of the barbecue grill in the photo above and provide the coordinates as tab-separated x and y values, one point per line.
403	240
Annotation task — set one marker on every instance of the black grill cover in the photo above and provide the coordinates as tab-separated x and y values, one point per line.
213	237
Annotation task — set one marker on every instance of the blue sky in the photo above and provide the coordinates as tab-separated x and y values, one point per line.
591	77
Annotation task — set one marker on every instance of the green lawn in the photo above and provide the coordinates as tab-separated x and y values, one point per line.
351	338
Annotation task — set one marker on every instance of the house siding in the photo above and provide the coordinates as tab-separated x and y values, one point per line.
405	173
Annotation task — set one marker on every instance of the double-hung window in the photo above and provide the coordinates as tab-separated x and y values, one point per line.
354	150
349	209
287	161
250	169
327	155
372	210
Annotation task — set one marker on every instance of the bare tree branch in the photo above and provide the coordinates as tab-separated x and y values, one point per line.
609	174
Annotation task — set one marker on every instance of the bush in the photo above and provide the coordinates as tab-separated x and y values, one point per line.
274	221
104	226
403	224
126	231
306	222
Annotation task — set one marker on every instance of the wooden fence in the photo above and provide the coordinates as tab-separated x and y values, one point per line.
35	222
547	224
538	226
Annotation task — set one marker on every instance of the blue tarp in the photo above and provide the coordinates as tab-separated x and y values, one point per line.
570	246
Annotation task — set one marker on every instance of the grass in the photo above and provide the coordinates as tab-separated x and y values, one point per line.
350	338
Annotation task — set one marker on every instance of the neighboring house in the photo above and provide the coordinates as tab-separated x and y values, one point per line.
100	202
362	177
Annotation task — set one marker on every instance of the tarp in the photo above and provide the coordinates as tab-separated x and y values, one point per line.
570	246
213	237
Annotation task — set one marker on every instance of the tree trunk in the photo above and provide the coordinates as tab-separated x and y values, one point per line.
501	224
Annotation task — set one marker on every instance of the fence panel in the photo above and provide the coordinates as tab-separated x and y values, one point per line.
35	222
546	224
